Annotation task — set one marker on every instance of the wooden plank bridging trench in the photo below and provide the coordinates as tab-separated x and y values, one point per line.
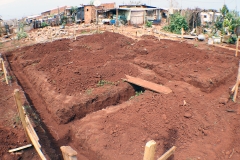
148	85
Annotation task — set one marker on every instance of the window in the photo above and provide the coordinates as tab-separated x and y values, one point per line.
205	16
87	9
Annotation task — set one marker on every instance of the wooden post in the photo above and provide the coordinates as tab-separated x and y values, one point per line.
167	154
237	47
182	31
116	17
4	70
68	153
20	111
97	29
150	149
74	32
51	34
237	84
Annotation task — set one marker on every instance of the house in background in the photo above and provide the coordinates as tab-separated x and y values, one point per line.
209	16
88	13
133	14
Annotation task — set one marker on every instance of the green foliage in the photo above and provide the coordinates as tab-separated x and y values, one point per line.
44	24
74	12
177	22
224	10
89	91
8	77
219	23
149	24
63	20
91	2
138	93
232	39
21	35
104	82
229	20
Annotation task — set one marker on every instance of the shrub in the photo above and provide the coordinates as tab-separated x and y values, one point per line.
149	24
177	22
44	24
232	39
21	35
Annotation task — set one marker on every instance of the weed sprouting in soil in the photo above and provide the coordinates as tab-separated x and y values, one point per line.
16	119
195	45
1	73
104	82
138	93
89	91
8	77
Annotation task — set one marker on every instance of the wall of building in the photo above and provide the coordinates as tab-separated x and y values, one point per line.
89	14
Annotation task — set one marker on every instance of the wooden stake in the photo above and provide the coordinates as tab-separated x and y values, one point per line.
150	149
236	54
20	148
68	153
21	112
182	31
236	87
4	70
51	34
75	34
168	153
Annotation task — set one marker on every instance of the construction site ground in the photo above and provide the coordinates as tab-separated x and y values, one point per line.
76	96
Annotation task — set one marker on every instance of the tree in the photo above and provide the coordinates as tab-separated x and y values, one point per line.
74	12
224	10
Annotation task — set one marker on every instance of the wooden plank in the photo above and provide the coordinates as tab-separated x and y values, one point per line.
167	154
31	128
29	131
236	54
20	111
225	47
36	145
20	148
148	85
4	70
236	86
150	149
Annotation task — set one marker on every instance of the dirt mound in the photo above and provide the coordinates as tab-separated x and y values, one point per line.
84	76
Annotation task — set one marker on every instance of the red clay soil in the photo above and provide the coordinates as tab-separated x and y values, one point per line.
12	134
62	81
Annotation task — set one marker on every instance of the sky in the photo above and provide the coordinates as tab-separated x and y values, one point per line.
10	9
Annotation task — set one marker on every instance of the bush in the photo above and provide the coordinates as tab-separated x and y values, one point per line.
177	22
232	39
149	24
21	35
44	24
